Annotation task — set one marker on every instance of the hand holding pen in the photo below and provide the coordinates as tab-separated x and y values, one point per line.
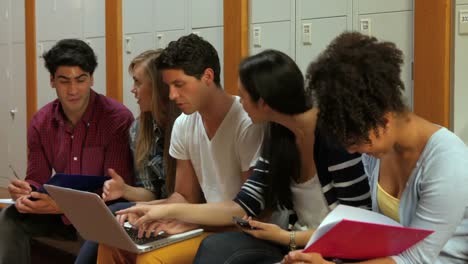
14	172
18	187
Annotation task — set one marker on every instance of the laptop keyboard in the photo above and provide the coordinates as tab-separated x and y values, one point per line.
133	233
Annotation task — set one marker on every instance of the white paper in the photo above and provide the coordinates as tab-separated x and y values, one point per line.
7	201
350	213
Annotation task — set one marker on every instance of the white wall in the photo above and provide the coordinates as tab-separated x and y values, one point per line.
460	77
281	23
13	88
152	24
59	19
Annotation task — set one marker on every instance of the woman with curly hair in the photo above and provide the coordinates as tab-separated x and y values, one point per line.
417	169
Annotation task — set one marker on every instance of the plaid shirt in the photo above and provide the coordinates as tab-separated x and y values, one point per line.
153	176
98	141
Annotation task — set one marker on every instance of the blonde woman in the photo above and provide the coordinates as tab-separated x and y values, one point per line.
149	141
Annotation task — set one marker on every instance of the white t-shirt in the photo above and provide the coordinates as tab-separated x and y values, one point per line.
219	162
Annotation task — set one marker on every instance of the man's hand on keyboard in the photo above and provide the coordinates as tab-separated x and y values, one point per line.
170	227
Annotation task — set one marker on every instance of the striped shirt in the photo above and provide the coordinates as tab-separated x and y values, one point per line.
341	176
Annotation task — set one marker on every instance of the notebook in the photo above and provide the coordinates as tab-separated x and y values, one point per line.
94	221
76	181
355	233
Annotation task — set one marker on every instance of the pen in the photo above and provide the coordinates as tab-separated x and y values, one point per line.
14	172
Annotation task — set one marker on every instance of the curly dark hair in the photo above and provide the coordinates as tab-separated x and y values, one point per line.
70	52
193	55
356	81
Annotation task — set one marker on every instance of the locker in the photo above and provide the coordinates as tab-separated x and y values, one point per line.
99	47
381	6
215	36
137	16
323	31
262	11
5	20
17	129
13	79
274	35
4	67
397	27
170	15
319	8
139	43
4	111
18	79
69	13
46	20
45	93
460	79
164	37
94	23
201	18
17	20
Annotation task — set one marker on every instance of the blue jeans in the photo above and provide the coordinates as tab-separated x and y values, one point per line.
238	247
88	252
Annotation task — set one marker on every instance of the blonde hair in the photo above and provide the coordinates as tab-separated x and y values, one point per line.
163	111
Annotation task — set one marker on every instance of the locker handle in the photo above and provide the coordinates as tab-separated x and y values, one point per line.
13	113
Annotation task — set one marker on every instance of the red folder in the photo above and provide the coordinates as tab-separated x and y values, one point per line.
371	237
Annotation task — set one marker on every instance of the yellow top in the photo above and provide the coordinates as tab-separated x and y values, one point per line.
388	204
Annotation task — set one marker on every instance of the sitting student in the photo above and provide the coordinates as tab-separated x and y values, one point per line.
298	170
81	132
214	142
149	141
417	169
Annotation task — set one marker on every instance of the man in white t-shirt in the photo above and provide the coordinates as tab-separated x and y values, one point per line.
220	160
214	142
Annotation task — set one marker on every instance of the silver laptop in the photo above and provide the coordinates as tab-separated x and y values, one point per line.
95	222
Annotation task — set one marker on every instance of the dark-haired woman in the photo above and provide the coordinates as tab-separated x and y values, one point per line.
417	169
298	170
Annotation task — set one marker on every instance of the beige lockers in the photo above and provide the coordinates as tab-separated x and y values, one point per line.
13	89
460	77
150	24
303	28
59	19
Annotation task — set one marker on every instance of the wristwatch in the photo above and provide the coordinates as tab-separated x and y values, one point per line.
292	241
